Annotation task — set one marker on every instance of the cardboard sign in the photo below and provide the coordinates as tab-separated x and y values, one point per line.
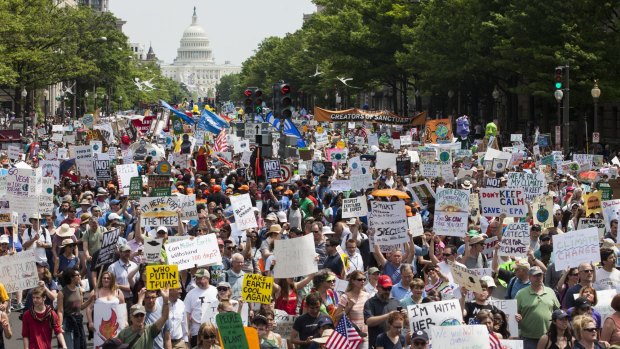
515	240
160	276
109	319
125	173
103	171
188	253
593	223
576	247
465	278
107	253
388	222
188	206
424	316
152	249
592	202
298	256
83	155
230	327
257	288
543	211
533	184
355	207
158	211
462	336
243	211
18	272
451	212
361	182
511	202
135	188
272	169
509	307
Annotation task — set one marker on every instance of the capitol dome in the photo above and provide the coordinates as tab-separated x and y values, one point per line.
194	47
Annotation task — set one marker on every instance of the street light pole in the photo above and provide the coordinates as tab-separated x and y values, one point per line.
495	95
85	101
566	112
24	95
596	93
46	94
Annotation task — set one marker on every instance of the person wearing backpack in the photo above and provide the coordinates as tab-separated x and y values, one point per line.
39	322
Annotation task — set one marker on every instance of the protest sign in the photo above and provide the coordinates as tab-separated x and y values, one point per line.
592	202
426	315
430	169
362	182
18	271
160	276
103	171
415	225
461	336
386	161
188	206
576	247
451	212
403	166
14	152
108	248
83	155
340	185
298	255
158	211
611	210
421	192
159	184
152	249
125	173
593	222
257	288
465	277
495	201
511	343
355	207
200	251
515	240
230	327
272	169
489	247
532	184
336	155
284	324
604	296
50	168
7	219
474	206
109	319
135	188
388	222
243	211
491	182
542	210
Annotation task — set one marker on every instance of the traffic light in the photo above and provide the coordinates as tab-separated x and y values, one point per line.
559	78
247	103
285	102
258	101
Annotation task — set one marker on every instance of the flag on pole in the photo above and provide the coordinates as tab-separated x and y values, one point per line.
178	113
221	142
215	118
344	337
289	128
207	123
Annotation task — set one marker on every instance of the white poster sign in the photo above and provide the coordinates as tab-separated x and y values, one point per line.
462	336
243	211
188	206
297	255
516	240
125	172
388	222
18	272
426	315
451	212
495	201
576	247
109	319
386	161
355	207
199	251
84	160
533	184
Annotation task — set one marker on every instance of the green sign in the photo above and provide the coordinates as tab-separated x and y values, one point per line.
231	331
135	188
606	191
159	192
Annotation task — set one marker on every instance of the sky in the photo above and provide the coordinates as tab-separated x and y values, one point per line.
234	27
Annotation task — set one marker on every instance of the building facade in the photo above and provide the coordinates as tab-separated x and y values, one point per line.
195	65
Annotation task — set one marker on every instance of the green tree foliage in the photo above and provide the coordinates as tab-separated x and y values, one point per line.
226	87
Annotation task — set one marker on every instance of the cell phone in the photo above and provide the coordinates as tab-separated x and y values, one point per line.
399	308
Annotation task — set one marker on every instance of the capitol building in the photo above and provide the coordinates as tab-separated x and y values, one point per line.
195	65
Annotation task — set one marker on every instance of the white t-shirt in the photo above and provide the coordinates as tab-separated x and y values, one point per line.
607	280
193	305
44	237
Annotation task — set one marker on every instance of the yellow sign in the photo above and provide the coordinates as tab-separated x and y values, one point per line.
160	276
305	128
593	203
340	144
257	288
319	129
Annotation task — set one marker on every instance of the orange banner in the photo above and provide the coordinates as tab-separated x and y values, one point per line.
438	131
355	114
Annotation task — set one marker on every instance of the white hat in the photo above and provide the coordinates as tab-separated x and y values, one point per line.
352	221
65	231
4	239
489	280
112	216
327	231
282	217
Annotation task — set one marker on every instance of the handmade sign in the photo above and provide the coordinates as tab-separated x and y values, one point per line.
511	343
284	324
388	222
415	225
386	161
611	210
474	206
424	316
451	212
199	251
495	201
421	192
83	155
430	169
492	182
152	249
18	272
362	182
243	212
230	327
125	173
107	253
438	131
109	319
465	278
576	247
515	240
298	256
159	185
103	170
162	276
158	211
509	307
272	169
135	188
188	206
542	210
257	288
462	336
532	184
593	222
340	185
355	207
592	202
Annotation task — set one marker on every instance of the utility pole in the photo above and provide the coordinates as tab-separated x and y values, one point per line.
566	111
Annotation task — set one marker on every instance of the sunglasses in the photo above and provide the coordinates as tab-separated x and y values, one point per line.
588	271
222	289
447	254
230	248
209	336
139	315
591	329
363	280
573	274
416	343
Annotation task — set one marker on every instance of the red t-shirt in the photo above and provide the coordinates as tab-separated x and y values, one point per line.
39	331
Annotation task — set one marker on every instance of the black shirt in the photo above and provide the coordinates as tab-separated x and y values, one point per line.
307	326
473	309
383	340
334	263
375	307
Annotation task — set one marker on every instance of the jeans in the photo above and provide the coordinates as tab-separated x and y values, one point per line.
529	343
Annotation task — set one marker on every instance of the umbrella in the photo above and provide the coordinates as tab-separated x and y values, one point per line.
390	192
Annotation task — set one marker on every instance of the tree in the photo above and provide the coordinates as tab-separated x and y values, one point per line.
227	86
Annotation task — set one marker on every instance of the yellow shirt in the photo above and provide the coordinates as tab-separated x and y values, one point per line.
3	295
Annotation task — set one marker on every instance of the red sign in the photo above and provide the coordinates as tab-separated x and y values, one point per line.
145	125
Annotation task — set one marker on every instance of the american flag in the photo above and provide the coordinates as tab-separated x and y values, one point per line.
221	142
363	132
344	337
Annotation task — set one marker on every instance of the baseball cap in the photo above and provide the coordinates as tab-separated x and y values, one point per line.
558	314
325	321
137	309
419	335
384	281
535	270
202	272
582	302
373	270
112	216
4	239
